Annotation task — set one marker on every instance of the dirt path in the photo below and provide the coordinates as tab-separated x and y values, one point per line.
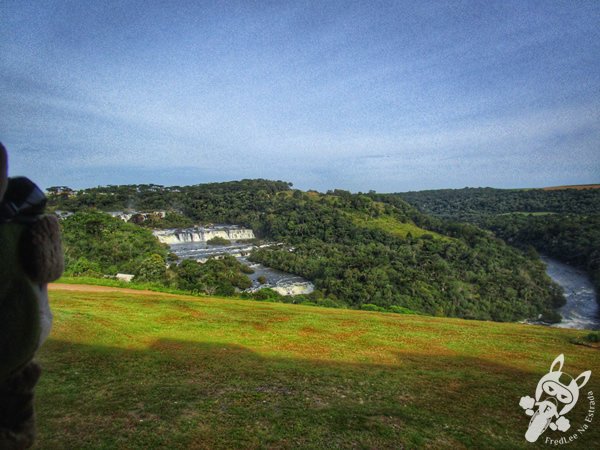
93	288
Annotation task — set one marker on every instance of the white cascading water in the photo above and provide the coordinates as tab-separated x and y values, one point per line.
191	243
201	234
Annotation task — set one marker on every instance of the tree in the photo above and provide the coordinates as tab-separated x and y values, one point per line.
152	268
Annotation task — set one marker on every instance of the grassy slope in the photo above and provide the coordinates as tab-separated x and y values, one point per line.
142	370
392	226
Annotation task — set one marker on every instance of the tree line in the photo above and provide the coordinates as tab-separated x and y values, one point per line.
563	223
353	247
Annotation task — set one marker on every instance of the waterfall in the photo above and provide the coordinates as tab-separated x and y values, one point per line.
203	234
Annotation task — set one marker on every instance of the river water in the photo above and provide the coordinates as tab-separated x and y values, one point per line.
282	282
582	310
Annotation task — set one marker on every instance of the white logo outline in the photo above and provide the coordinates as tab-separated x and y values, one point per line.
554	390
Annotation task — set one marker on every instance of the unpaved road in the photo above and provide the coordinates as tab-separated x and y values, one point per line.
93	288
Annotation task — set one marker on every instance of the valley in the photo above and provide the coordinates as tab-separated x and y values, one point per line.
582	310
362	251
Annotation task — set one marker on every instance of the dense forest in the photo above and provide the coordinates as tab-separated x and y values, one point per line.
562	223
97	244
474	204
360	250
571	238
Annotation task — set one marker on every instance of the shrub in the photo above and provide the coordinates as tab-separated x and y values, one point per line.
152	268
593	337
371	307
265	294
401	310
550	316
217	240
246	269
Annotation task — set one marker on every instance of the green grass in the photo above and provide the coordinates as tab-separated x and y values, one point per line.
111	282
393	226
134	370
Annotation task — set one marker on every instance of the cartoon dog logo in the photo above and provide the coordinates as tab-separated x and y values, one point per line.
556	394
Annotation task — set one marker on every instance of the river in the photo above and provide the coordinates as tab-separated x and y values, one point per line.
195	247
582	310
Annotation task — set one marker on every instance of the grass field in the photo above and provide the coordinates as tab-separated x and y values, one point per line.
153	370
393	226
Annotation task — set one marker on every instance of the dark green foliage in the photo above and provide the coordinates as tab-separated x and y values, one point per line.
564	224
551	316
486	279
152	268
172	219
216	276
96	243
246	269
267	294
333	240
400	310
217	240
471	204
232	202
371	307
83	267
574	239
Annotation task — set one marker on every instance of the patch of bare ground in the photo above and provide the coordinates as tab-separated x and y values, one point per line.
94	288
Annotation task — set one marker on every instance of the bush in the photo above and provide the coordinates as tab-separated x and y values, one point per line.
152	268
217	240
551	316
84	267
266	294
246	269
107	243
593	337
401	310
329	303
372	307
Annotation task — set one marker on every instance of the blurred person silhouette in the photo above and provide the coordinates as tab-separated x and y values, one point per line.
30	257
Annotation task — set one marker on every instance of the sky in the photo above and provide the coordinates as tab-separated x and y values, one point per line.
387	96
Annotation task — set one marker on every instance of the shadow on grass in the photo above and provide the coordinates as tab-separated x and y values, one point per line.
179	394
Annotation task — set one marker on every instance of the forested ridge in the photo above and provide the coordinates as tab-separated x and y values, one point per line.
99	245
360	250
474	204
562	223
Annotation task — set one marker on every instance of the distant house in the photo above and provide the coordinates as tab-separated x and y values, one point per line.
61	191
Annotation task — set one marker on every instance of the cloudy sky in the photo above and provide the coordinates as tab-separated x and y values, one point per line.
390	96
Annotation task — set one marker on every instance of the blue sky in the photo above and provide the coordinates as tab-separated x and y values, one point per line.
390	96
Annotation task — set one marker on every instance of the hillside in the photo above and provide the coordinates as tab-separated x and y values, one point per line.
359	250
144	370
562	223
473	204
